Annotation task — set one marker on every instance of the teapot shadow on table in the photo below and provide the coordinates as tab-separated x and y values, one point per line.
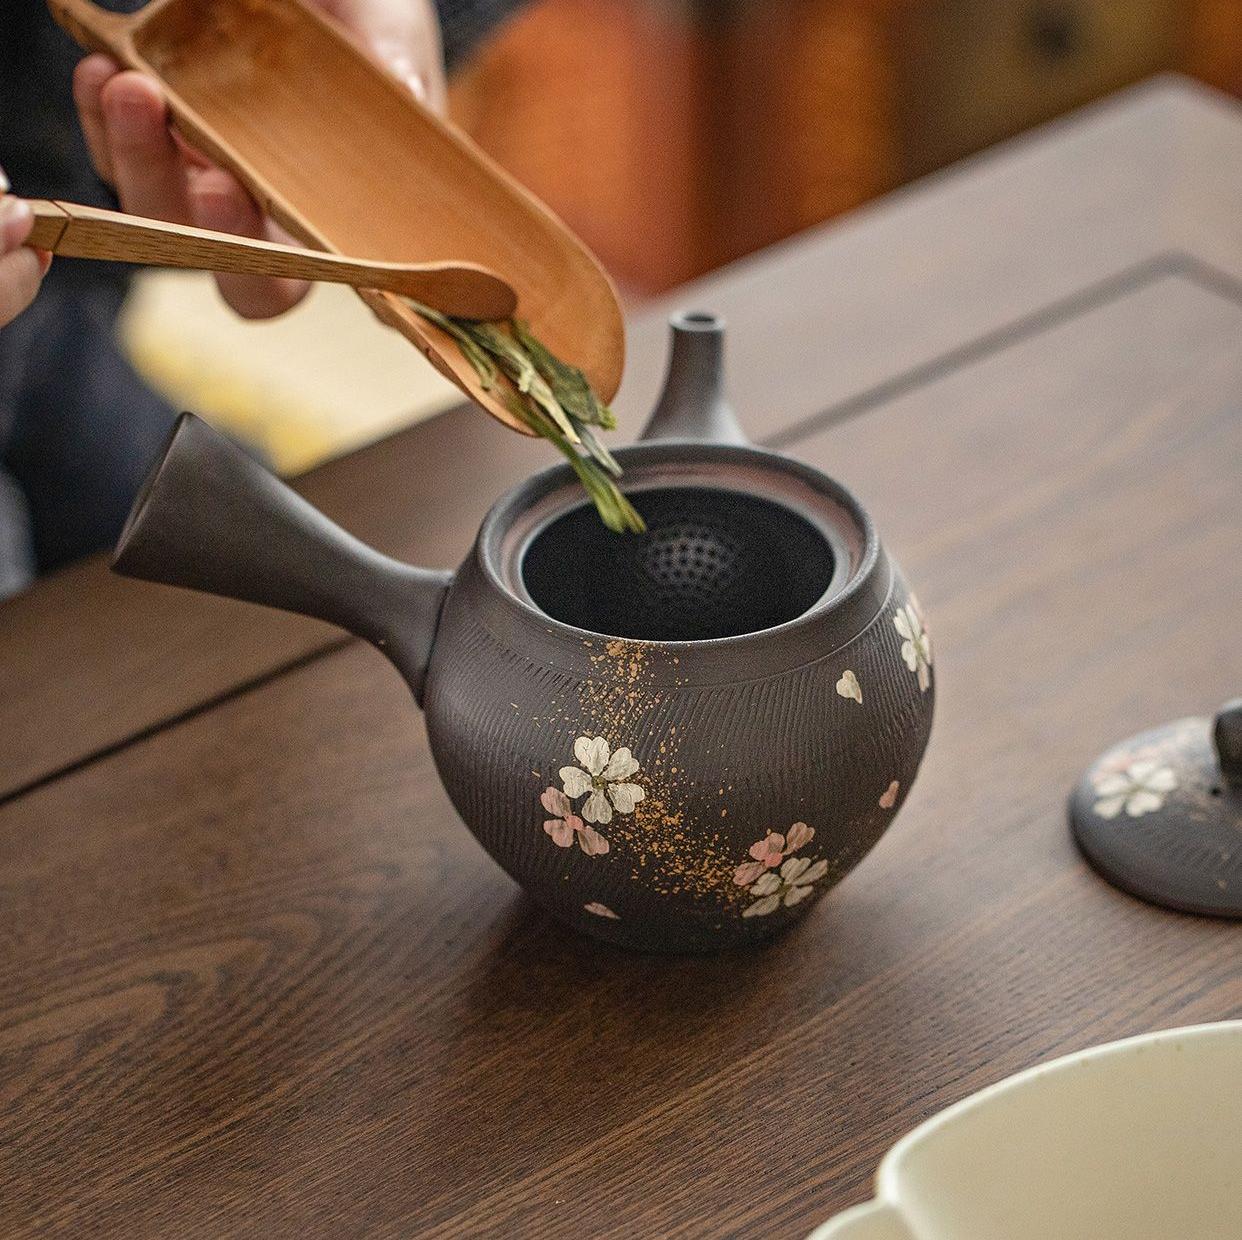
675	741
606	1035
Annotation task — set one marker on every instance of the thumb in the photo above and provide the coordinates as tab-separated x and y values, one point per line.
403	36
20	273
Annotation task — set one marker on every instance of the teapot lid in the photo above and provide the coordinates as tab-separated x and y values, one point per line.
1160	814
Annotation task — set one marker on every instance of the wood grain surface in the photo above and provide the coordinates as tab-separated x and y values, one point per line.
257	979
822	329
90	232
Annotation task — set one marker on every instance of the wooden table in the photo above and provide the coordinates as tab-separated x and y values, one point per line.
256	979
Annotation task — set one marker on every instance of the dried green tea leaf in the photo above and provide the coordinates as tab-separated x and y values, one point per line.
484	367
569	384
552	398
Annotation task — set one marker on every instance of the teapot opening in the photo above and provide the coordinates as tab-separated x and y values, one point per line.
714	563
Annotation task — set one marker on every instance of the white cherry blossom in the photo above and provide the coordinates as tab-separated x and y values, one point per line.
1139	789
604	778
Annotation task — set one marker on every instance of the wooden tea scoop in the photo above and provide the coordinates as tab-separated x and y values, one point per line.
466	290
345	159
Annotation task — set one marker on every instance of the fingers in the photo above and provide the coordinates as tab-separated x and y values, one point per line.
16	221
219	201
147	169
158	175
20	275
89	78
21	268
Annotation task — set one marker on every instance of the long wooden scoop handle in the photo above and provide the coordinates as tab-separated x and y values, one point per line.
458	288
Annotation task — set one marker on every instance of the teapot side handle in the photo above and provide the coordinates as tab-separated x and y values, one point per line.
210	517
693	405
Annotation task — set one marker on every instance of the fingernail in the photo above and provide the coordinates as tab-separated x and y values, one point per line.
400	63
4	183
16	220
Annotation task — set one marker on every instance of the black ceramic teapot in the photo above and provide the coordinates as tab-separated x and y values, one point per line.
674	741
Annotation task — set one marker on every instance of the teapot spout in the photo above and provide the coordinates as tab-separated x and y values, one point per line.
209	517
693	405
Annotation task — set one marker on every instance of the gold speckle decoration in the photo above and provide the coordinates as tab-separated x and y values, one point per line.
667	853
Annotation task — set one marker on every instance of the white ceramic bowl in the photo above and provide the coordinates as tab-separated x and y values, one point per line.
1135	1140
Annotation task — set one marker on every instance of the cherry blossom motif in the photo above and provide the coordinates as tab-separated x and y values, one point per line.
799	834
888	798
1139	789
605	779
564	825
601	910
916	648
848	686
770	851
790	886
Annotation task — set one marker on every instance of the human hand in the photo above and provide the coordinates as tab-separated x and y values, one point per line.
404	36
157	174
21	268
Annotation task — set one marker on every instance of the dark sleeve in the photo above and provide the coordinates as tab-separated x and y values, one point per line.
466	22
41	144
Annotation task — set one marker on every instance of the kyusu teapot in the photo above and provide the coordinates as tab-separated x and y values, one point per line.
675	741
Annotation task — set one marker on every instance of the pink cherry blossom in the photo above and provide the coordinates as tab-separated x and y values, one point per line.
770	851
565	825
767	854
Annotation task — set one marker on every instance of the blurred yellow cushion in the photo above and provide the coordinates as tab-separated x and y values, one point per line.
314	383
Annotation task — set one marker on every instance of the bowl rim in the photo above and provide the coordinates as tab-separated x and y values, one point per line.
885	1209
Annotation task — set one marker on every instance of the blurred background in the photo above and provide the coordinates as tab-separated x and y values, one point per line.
676	136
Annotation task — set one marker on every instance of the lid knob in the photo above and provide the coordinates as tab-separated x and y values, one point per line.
1160	815
1227	736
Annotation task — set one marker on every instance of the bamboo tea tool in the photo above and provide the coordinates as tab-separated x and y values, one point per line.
465	290
340	153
